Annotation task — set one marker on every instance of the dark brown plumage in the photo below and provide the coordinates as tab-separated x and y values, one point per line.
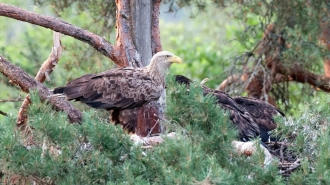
252	117
121	88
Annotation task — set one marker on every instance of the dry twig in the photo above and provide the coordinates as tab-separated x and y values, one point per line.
27	83
46	68
18	99
3	113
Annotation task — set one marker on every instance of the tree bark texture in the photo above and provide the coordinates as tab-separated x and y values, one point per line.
148	121
126	51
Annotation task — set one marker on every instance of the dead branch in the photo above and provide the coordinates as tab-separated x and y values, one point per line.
289	167
155	33
149	142
27	83
3	113
298	74
97	42
18	99
44	71
232	79
237	78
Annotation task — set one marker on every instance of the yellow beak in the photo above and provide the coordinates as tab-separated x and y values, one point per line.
175	59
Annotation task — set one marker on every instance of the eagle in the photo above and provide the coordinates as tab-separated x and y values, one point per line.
121	89
252	117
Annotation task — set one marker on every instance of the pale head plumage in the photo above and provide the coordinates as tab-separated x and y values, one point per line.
159	65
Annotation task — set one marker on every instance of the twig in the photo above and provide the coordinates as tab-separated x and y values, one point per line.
18	99
281	153
45	69
292	167
3	113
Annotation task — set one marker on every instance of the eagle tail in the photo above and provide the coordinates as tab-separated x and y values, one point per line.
59	90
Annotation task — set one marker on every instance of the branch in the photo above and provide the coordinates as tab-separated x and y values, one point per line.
99	43
155	33
27	83
43	73
232	79
3	113
298	74
235	78
149	142
18	99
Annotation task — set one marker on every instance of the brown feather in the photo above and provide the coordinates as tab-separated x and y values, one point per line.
122	88
252	117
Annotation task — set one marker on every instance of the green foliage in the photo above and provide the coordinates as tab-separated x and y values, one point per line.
28	46
207	46
101	13
212	46
99	152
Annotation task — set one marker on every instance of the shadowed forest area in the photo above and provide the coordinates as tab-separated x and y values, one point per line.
274	51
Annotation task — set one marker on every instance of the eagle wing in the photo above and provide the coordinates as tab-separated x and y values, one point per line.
262	112
238	115
122	88
252	117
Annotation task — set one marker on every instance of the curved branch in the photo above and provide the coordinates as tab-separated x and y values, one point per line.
26	83
97	42
232	79
298	74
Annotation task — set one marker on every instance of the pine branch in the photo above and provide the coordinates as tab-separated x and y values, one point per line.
27	83
97	42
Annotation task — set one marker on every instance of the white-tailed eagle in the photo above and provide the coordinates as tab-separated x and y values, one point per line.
122	89
252	117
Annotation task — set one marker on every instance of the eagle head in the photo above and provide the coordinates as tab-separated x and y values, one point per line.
160	63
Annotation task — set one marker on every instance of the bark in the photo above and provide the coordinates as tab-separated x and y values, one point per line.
155	32
324	39
141	14
326	66
144	26
126	51
100	44
27	83
43	73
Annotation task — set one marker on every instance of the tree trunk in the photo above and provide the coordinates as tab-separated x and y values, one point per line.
138	35
148	115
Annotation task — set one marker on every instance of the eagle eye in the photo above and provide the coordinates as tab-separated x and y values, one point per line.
168	56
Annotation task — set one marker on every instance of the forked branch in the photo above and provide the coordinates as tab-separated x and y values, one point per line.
43	73
27	83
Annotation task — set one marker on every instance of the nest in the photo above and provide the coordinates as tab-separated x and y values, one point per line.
288	161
